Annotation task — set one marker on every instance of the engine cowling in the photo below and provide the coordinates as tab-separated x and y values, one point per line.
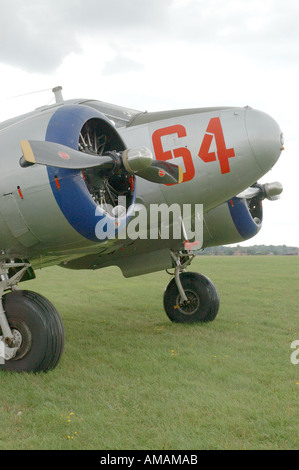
86	197
234	221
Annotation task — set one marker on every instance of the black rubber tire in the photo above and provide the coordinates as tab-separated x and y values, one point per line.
203	296
41	328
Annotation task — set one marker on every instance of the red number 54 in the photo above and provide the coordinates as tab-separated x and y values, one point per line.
214	131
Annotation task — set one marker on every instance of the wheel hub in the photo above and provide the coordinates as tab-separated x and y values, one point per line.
189	306
17	338
22	339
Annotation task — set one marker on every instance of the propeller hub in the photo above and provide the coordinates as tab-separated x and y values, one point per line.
138	159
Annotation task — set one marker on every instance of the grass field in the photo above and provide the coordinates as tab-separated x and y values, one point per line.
130	379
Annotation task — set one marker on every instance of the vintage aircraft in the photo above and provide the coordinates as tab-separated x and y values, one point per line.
71	168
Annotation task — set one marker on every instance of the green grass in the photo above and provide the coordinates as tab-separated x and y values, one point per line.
130	379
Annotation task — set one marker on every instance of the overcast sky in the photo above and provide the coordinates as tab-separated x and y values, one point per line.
163	54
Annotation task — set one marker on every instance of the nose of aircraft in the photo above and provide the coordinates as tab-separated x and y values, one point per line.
265	138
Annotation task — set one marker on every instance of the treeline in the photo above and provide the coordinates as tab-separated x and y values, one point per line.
274	250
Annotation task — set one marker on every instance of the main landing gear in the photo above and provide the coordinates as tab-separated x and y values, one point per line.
31	331
190	297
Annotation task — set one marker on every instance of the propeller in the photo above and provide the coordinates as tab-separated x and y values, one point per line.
162	172
270	191
137	161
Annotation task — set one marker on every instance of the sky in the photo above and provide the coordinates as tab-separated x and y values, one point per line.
163	54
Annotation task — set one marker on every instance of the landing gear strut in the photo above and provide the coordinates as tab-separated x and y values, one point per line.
190	297
31	331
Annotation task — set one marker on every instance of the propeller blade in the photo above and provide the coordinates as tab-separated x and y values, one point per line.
162	173
249	193
270	191
60	156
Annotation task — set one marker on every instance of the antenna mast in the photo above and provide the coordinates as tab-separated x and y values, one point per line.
58	94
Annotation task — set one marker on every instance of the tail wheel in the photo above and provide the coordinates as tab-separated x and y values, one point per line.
202	303
37	329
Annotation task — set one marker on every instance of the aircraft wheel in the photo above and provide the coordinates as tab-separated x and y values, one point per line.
203	299
38	332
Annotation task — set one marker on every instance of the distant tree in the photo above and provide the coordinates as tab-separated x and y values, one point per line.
277	250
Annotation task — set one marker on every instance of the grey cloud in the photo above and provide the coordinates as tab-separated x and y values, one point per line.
33	37
38	35
264	30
